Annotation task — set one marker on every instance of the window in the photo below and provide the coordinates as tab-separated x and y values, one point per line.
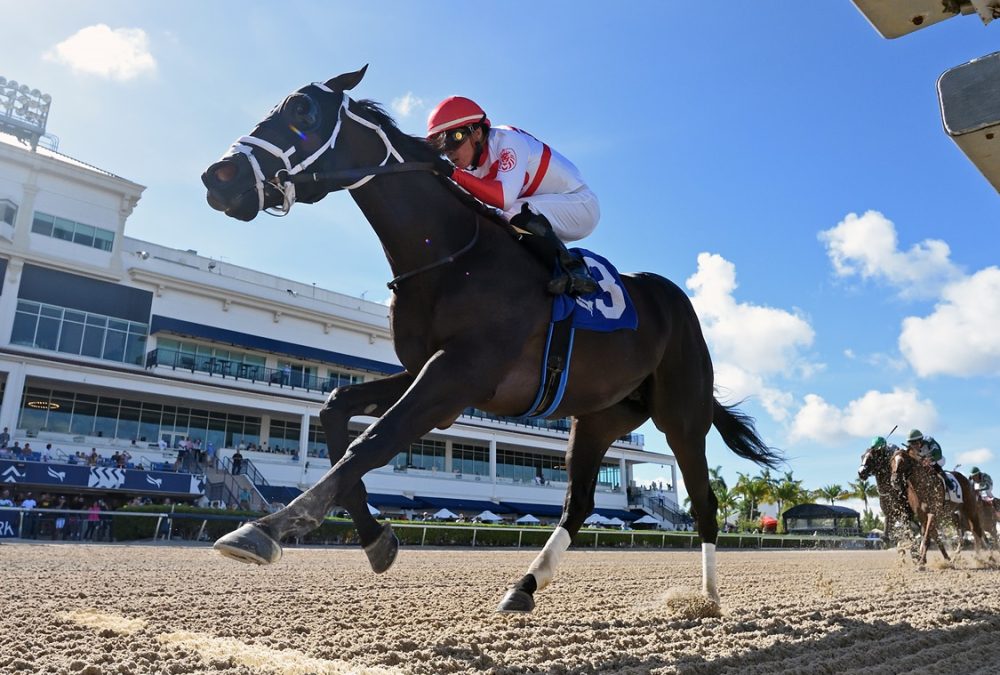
69	230
74	332
8	211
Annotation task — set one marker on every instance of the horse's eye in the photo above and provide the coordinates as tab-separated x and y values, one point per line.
303	111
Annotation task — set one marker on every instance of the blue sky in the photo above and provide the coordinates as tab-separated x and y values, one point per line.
782	162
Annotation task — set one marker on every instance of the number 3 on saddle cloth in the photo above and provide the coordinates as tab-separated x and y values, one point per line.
607	309
952	488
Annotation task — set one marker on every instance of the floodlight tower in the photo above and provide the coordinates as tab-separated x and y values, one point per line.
24	111
969	94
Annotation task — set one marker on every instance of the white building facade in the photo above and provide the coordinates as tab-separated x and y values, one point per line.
111	342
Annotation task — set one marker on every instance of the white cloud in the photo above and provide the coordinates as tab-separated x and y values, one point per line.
972	457
873	414
749	343
407	104
117	54
961	336
762	340
867	246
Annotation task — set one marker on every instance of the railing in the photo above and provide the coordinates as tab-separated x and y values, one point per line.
659	507
237	370
280	377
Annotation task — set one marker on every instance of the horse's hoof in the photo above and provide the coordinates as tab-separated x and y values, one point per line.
249	544
382	552
516	602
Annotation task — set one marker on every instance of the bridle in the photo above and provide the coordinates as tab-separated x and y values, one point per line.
285	179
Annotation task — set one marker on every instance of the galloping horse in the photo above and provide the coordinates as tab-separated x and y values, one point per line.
469	317
876	462
926	496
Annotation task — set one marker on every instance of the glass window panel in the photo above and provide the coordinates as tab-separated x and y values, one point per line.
118	324
47	336
93	341
63	229
70	315
84	412
71	337
128	423
84	234
32	419
114	346
51	312
107	419
23	332
104	239
60	414
42	224
135	348
97	320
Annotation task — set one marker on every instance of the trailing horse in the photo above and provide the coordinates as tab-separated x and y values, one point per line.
895	509
927	498
469	317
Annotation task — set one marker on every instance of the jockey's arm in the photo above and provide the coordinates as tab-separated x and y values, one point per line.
487	191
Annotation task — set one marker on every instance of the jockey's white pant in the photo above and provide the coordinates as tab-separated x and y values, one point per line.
573	215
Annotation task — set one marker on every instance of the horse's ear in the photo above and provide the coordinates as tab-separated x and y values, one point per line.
347	81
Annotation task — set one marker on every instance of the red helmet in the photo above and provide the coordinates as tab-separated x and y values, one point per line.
454	112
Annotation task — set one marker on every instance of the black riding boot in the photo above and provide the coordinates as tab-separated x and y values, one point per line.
546	246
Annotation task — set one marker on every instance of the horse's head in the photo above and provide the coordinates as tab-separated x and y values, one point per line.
901	465
252	175
874	458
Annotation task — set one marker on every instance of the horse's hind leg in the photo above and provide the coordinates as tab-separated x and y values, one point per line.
589	439
258	542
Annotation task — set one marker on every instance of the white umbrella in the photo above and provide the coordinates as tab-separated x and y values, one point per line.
489	517
647	520
444	514
596	519
372	510
528	518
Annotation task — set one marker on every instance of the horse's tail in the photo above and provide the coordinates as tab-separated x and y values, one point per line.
738	431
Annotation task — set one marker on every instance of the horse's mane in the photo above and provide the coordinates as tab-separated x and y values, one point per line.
418	149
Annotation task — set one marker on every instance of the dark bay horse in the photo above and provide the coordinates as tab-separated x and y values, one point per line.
469	316
925	494
895	509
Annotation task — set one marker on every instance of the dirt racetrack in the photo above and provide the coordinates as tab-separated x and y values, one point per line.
102	609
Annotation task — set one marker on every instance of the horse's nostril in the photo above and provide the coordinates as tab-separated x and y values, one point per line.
225	172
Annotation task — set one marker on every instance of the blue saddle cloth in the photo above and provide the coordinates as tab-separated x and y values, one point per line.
607	309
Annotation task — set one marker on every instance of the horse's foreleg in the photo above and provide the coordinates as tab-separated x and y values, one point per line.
928	530
589	439
259	541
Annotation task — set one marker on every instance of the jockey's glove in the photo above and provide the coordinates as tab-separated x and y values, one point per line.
443	167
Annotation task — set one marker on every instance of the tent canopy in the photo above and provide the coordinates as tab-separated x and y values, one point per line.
372	510
527	518
647	520
489	516
595	519
444	514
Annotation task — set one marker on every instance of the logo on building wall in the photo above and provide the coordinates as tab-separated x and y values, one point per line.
11	475
154	481
101	477
61	475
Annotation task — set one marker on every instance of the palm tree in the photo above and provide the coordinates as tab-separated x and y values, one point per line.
716	480
862	489
788	492
727	504
831	492
753	490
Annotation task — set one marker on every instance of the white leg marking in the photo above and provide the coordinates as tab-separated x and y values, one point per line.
709	581
544	566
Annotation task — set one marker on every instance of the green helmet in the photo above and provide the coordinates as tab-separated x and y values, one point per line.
878	443
914	436
975	471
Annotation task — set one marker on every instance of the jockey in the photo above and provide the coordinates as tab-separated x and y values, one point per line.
926	450
982	483
538	190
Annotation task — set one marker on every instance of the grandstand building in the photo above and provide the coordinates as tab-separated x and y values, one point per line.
118	344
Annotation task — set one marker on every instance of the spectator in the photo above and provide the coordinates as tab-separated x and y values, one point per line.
26	451
93	520
210	453
237	462
5	499
73	459
116	459
59	531
4	438
182	456
15	450
47	453
30	522
162	445
93	459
